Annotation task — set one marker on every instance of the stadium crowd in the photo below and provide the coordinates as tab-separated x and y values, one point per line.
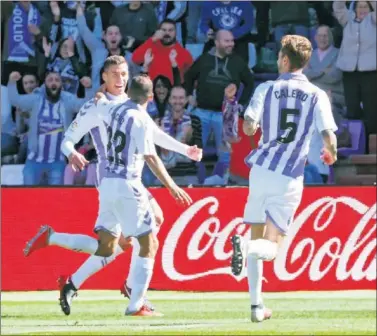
205	58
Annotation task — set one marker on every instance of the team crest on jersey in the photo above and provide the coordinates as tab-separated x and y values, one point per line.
74	125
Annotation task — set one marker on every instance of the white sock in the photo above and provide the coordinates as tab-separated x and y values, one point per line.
91	266
74	242
135	255
262	249
254	276
142	278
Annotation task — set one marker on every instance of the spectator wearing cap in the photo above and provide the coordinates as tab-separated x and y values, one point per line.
51	111
357	60
214	71
235	16
161	46
322	70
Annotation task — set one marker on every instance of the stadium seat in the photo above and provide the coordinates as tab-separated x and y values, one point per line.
357	130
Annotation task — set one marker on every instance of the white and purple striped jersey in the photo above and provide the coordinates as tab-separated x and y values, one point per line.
288	111
130	138
89	121
50	132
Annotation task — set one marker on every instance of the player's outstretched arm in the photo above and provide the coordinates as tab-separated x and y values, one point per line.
158	168
167	142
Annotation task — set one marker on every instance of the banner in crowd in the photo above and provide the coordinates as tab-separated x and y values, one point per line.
331	245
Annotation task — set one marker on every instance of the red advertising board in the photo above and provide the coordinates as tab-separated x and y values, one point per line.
331	245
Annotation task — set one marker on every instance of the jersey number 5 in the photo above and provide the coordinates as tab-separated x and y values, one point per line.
289	127
118	142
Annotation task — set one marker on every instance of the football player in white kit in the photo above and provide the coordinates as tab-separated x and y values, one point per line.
123	198
111	242
288	111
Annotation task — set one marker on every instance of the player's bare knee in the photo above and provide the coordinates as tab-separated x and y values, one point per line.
148	246
107	244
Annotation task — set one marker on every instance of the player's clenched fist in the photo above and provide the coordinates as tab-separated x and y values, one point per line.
195	153
77	161
15	76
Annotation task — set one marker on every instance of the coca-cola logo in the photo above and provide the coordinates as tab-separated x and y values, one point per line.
330	243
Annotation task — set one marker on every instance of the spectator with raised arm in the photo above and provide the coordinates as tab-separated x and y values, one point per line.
68	26
62	57
161	45
18	37
136	21
173	10
234	16
357	60
322	70
214	71
51	111
112	44
161	86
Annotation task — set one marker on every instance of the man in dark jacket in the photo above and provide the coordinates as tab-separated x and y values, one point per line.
213	72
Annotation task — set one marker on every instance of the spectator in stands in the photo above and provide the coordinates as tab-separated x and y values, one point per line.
62	57
290	17
136	21
161	45
18	44
176	123
15	124
29	83
51	112
173	10
213	72
9	143
161	86
357	60
235	16
193	18
112	44
68	26
321	69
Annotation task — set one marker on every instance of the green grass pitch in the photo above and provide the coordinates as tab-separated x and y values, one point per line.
102	313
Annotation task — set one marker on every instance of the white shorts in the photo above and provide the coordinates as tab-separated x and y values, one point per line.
124	208
274	196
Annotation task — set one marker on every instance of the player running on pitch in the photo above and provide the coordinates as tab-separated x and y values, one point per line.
288	111
115	76
123	198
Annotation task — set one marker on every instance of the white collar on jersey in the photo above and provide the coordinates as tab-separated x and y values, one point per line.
112	97
293	75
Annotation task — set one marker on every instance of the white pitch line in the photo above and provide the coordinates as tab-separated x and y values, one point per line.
89	295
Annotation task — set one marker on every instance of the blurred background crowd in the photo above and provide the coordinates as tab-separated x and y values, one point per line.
193	51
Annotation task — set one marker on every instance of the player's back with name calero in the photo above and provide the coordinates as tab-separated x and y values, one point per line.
288	109
128	131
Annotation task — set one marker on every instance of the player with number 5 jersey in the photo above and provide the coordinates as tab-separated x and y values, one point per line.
288	111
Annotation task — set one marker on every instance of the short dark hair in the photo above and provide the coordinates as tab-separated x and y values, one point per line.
113	60
49	72
298	49
180	87
170	21
141	89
